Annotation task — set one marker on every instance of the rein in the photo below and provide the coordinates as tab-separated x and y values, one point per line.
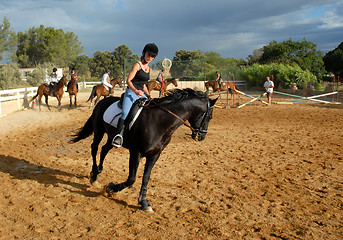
166	109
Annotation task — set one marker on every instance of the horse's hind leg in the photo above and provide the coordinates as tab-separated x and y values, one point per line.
98	135
40	101
104	150
47	102
96	100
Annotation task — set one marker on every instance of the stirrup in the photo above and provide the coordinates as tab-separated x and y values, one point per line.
117	141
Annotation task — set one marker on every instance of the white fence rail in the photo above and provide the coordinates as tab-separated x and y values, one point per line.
90	84
21	95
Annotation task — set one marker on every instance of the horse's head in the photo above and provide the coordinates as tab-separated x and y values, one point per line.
74	78
174	81
64	80
202	119
116	81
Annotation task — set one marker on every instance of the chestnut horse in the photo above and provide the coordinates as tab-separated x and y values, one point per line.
72	89
225	86
57	92
155	85
100	90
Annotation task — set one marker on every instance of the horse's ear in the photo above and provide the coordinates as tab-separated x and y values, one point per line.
213	101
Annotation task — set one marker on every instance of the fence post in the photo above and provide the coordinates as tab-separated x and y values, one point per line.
18	100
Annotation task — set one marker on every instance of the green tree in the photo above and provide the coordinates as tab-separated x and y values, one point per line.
187	64
10	76
119	55
39	75
226	66
42	45
255	75
302	53
99	63
255	58
333	60
81	65
8	40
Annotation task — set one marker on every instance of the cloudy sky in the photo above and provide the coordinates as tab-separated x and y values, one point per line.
232	28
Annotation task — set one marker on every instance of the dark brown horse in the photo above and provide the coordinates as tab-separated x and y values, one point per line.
72	89
154	85
225	87
57	92
100	90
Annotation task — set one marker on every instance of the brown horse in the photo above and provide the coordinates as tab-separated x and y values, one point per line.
57	92
72	89
225	86
154	85
100	90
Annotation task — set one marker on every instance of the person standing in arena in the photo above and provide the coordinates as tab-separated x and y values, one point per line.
269	86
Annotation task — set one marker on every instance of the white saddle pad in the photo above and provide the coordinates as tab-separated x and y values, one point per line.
112	114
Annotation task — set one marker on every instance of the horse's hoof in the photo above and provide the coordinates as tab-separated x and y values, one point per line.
148	209
92	178
104	192
110	187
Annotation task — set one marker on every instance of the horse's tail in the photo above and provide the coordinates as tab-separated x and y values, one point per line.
237	88
85	131
34	97
92	94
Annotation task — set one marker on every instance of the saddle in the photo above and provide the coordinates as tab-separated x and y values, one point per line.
51	88
114	111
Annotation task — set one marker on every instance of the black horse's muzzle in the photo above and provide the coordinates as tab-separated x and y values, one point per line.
198	134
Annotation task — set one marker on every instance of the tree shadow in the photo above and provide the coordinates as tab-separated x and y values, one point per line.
21	169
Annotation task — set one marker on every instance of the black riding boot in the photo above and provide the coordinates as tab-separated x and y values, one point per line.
109	91
118	139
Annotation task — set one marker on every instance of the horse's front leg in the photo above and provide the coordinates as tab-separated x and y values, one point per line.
150	162
75	100
133	166
59	104
70	100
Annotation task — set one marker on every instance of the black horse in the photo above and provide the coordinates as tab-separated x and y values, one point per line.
150	134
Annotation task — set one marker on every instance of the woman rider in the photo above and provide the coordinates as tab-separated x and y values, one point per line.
137	82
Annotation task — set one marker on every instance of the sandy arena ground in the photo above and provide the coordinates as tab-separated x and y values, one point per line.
261	173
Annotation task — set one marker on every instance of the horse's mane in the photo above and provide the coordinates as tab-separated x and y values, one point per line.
63	77
115	79
177	95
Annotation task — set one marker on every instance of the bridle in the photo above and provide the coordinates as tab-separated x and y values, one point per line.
201	119
202	122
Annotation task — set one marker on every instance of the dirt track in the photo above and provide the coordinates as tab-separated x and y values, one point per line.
261	173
